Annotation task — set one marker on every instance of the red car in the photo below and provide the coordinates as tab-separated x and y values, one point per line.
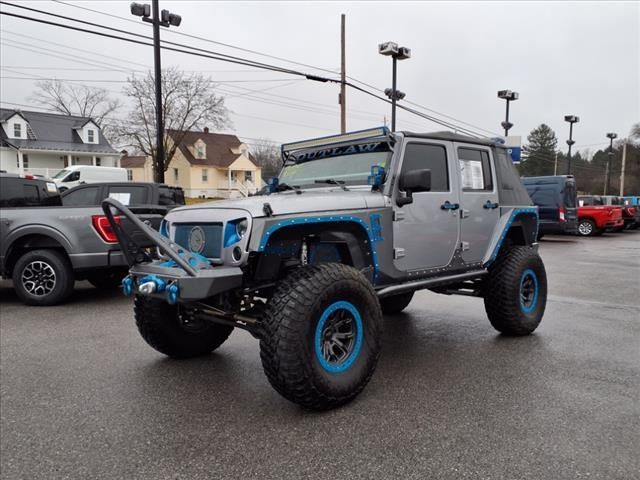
594	217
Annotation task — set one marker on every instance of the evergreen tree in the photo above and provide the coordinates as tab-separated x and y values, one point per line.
539	153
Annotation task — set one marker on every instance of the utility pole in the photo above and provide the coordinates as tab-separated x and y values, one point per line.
624	161
343	78
164	18
610	136
555	166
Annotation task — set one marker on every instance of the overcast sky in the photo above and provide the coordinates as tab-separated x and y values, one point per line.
577	58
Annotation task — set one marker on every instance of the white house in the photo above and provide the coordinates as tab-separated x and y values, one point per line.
44	143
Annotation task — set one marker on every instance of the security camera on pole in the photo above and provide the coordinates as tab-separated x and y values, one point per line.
391	49
152	14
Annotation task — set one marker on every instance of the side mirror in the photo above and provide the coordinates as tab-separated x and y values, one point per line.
414	181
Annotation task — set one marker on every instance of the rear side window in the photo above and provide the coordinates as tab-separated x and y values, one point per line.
129	195
476	170
31	196
170	196
543	196
81	197
570	195
418	156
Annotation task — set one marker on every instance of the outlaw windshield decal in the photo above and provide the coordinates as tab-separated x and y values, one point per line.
309	155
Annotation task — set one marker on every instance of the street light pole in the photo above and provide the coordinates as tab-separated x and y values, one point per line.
509	96
611	136
396	53
157	18
571	119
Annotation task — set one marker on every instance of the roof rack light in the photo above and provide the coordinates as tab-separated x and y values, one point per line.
333	139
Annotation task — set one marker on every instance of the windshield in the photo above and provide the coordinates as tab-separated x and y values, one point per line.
351	169
62	173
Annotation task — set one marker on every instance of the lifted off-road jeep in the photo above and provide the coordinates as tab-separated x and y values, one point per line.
351	228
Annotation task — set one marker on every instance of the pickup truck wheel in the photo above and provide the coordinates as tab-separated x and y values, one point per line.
321	338
515	293
107	279
162	326
587	228
43	277
395	303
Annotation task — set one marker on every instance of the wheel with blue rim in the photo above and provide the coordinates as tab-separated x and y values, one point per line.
515	292
321	335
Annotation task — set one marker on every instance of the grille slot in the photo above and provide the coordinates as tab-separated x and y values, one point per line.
189	236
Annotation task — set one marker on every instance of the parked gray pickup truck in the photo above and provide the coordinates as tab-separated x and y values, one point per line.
45	249
355	224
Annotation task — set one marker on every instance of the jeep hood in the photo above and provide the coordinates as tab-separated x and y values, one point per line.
290	202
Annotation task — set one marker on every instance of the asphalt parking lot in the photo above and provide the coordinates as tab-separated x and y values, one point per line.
82	396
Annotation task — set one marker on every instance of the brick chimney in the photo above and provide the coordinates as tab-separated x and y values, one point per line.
206	129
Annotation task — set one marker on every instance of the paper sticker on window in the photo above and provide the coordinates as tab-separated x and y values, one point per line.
123	198
472	175
51	187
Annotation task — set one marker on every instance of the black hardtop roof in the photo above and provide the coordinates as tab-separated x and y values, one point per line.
546	179
453	137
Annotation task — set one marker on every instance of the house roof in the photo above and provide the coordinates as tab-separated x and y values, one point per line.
218	150
133	162
54	132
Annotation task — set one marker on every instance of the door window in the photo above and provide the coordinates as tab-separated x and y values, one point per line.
83	196
418	156
72	177
129	195
475	170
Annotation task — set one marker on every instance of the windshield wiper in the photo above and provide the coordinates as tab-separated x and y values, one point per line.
285	186
332	181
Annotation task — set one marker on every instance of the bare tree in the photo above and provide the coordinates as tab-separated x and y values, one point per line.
634	136
70	99
267	155
188	102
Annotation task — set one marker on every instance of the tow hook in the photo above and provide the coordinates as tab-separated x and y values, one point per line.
127	285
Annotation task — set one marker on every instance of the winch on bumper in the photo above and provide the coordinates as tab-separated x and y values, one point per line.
185	276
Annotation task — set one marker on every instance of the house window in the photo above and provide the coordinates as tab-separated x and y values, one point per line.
17	130
200	151
130	175
90	136
98	162
248	176
175	175
25	161
205	175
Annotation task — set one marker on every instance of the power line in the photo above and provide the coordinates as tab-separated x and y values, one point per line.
222	57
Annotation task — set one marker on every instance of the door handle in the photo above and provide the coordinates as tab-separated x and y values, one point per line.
491	205
450	206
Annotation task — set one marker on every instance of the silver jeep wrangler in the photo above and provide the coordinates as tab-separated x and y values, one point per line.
351	228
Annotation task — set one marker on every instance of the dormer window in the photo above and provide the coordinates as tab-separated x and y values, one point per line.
17	130
90	136
201	152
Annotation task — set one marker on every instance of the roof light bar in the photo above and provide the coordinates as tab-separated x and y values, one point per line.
333	139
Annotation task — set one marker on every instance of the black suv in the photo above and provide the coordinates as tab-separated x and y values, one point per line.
27	191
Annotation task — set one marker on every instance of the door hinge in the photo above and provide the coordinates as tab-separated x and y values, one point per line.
464	246
464	213
398	253
398	215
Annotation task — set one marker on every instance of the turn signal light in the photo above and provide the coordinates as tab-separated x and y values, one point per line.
102	226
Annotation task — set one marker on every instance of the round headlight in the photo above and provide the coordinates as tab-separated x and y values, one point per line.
241	227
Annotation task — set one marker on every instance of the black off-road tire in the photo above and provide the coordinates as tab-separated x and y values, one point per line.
513	307
107	279
160	327
297	324
587	228
395	303
55	266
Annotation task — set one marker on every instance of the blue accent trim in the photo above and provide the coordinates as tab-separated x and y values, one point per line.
164	229
231	232
333	218
344	365
514	213
127	286
376	227
529	308
377	176
172	293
